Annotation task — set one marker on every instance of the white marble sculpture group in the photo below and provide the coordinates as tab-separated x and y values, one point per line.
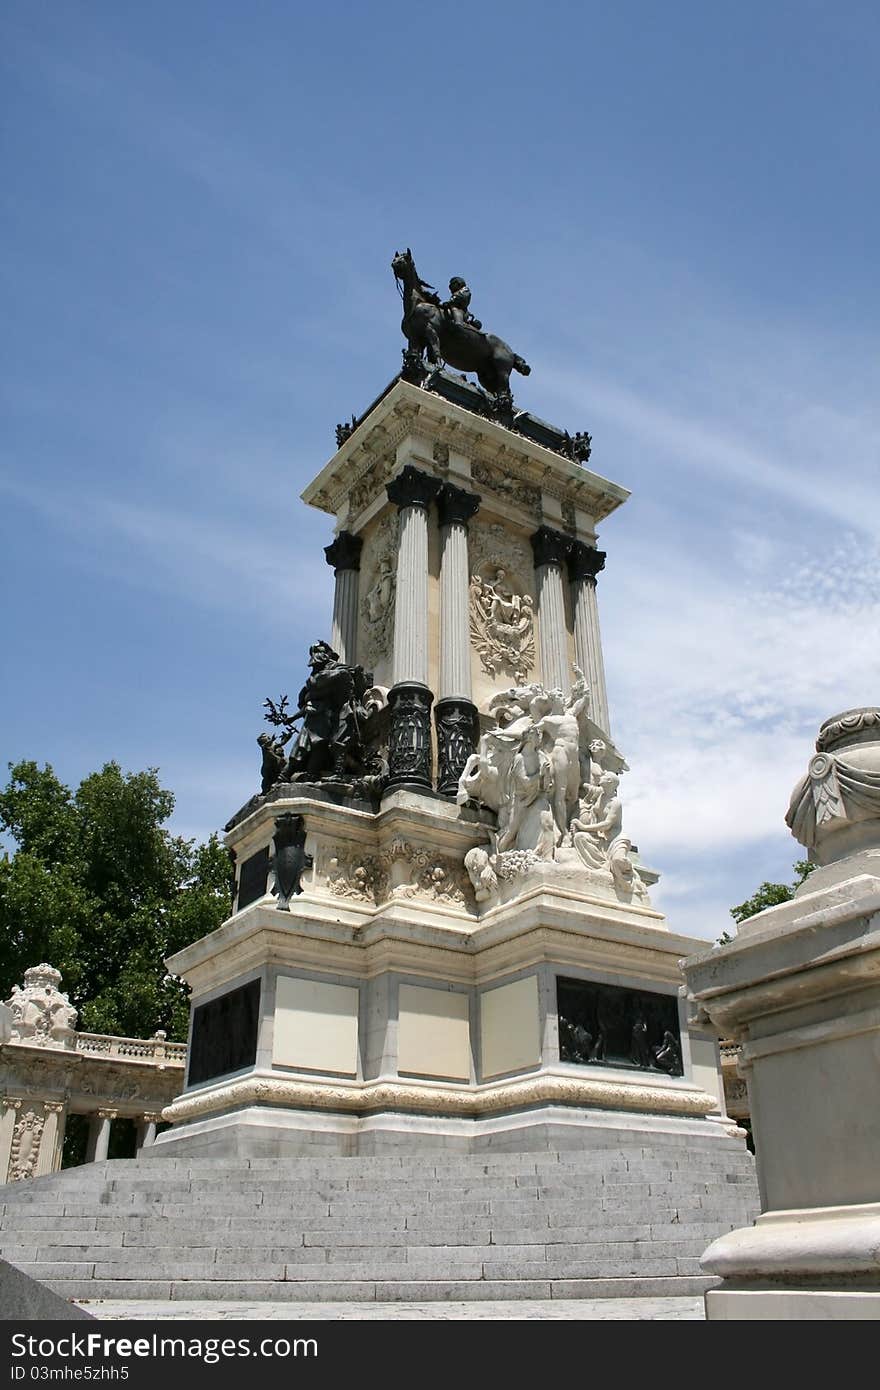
554	791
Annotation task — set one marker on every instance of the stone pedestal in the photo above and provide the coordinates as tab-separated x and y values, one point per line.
799	988
392	1009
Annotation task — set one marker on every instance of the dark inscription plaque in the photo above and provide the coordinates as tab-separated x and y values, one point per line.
224	1034
252	878
605	1025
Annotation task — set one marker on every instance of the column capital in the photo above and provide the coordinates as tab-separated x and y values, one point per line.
456	504
107	1113
585	561
550	547
344	553
55	1105
151	1117
412	488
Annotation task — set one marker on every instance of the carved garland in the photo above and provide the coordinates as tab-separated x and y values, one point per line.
545	1088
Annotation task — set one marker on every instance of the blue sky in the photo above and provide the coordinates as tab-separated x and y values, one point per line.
670	210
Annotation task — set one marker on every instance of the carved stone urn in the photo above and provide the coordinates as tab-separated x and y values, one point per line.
835	808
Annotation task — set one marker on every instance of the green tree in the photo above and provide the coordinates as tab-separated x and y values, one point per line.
768	895
101	889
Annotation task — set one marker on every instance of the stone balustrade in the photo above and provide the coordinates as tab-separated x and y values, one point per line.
49	1073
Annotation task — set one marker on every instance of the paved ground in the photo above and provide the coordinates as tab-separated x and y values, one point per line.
527	1310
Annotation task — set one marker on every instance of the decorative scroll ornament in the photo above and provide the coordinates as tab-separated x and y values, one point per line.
41	1014
841	786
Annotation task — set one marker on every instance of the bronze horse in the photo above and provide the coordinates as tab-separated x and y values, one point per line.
429	329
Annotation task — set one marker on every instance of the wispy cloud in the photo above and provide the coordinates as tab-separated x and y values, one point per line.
207	560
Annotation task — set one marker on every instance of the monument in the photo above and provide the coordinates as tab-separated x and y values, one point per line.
442	935
440	1048
799	988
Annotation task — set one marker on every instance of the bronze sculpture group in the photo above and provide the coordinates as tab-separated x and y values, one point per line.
333	707
445	331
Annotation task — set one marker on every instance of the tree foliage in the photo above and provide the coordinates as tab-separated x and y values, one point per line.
102	890
768	895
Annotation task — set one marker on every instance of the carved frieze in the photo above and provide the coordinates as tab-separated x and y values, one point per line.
369	485
490	477
350	874
418	872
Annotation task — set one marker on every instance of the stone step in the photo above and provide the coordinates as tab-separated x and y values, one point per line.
381	1229
382	1291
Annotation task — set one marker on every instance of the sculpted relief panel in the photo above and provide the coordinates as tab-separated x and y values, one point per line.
501	606
379	582
25	1149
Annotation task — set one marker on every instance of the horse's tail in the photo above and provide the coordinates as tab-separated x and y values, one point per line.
521	365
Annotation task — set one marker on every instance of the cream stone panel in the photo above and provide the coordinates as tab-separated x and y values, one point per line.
316	1025
433	1032
510	1027
705	1068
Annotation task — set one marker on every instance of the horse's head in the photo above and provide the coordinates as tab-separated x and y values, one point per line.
402	264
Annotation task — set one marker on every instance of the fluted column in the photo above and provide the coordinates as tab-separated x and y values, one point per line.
551	549
455	714
146	1131
345	556
409	752
99	1136
52	1141
584	564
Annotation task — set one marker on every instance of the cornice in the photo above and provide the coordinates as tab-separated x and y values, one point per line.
407	409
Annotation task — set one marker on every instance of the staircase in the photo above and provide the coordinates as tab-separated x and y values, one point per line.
616	1222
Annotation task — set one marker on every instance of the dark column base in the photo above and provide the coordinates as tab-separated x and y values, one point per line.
410	762
458	732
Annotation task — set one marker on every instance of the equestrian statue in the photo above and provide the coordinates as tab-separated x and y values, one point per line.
445	331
